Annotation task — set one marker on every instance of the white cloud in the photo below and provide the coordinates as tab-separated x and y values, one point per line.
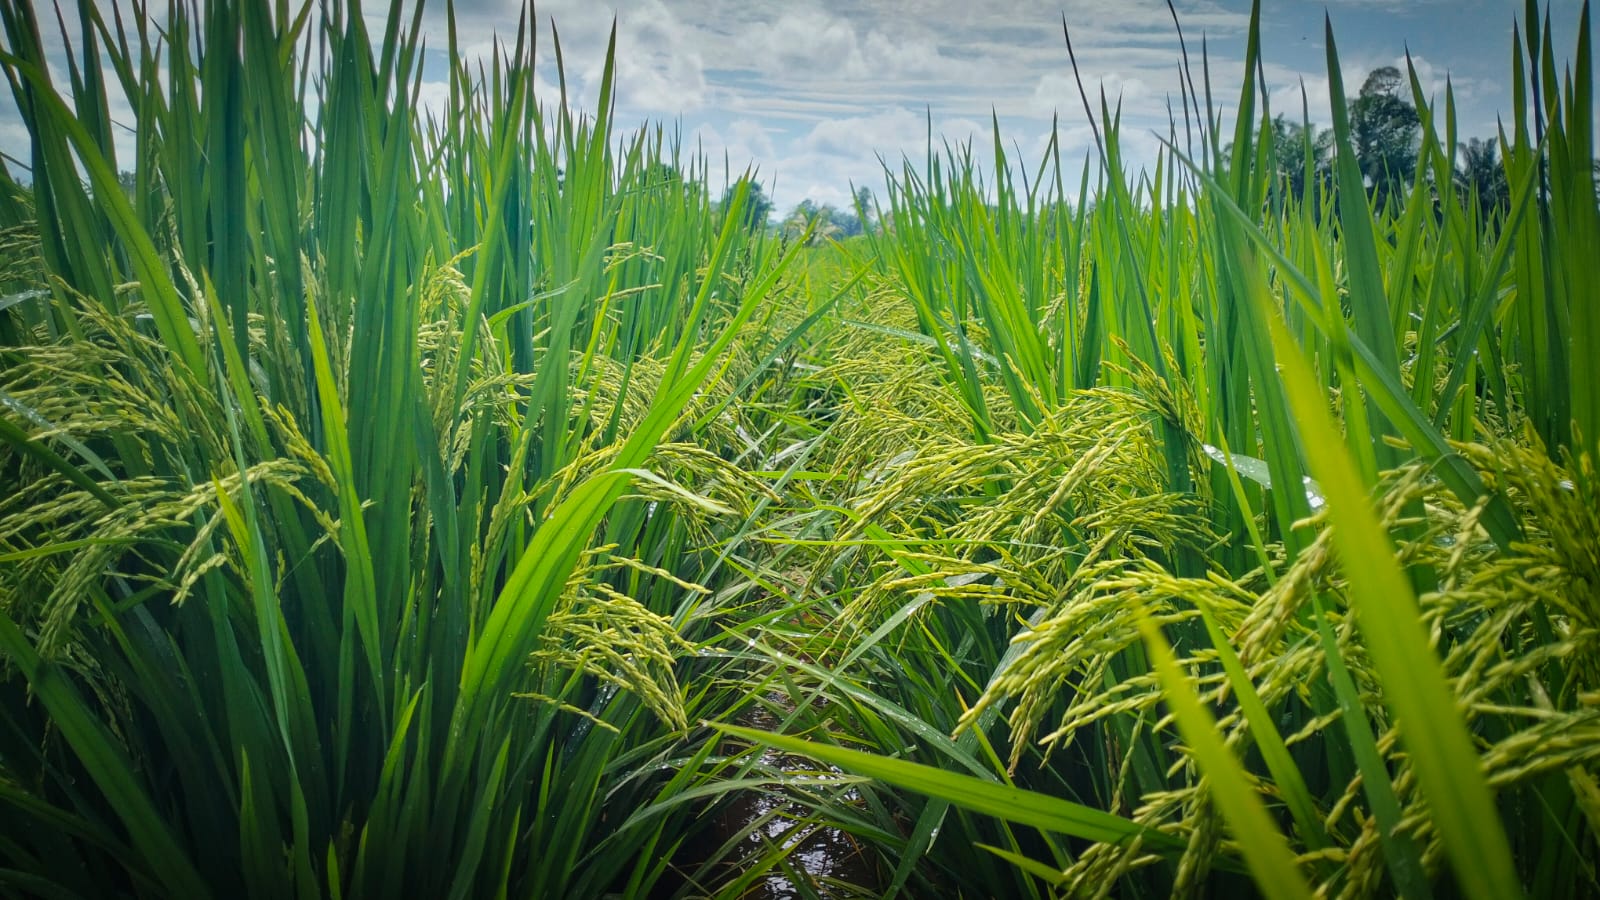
742	143
1058	93
805	43
893	130
815	90
660	68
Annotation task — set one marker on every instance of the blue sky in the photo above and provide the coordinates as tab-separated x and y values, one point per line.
814	91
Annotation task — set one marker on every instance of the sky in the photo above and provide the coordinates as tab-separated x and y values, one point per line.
818	93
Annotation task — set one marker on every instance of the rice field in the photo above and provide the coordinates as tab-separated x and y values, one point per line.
482	504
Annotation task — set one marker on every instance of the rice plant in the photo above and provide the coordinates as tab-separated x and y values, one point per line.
336	491
1040	635
461	503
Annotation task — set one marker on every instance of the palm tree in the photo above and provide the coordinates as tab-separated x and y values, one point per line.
830	223
1478	172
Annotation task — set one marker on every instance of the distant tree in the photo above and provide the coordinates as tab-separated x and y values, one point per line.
1385	129
831	223
662	173
757	206
843	221
1478	169
1290	141
866	211
794	224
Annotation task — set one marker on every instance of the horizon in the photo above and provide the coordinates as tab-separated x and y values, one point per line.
812	95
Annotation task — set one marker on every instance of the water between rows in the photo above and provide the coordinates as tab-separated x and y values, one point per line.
830	860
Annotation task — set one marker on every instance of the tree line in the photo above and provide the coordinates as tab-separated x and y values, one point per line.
1386	133
824	221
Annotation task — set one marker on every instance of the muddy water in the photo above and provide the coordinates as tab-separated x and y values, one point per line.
832	862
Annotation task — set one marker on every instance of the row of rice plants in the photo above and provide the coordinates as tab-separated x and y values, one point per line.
1050	488
308	430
